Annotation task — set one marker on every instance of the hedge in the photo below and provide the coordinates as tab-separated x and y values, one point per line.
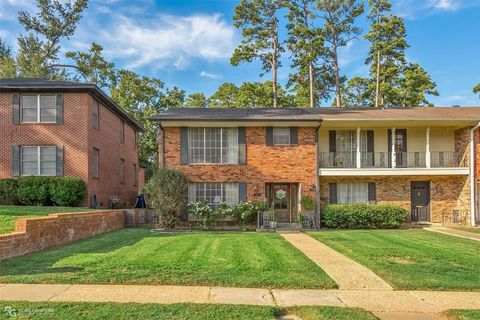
44	191
363	216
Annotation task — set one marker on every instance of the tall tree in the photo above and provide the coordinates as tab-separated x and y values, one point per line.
304	42
196	100
476	89
173	98
224	97
8	67
93	67
338	30
357	93
259	23
39	49
415	85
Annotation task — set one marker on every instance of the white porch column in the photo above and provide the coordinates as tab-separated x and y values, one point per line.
359	158
394	155
428	159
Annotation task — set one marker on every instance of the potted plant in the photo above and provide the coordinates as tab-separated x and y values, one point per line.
273	219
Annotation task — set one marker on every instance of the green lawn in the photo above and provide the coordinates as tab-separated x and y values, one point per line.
468	229
9	214
411	259
463	314
138	256
127	311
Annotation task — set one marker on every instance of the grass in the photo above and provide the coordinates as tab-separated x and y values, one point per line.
468	229
9	214
463	314
411	259
62	310
138	256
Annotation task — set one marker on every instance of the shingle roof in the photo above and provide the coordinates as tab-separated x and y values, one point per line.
44	85
319	114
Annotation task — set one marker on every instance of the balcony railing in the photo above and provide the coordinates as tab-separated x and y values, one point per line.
438	159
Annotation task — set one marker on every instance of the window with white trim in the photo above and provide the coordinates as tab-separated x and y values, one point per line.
281	136
122	133
213	193
356	192
38	108
122	171
96	163
95	115
213	145
38	161
135	177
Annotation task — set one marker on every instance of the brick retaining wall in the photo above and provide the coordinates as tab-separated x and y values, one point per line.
33	234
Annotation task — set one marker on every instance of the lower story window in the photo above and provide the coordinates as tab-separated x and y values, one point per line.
214	193
38	161
354	192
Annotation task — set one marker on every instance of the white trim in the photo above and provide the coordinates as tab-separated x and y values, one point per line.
38	108
39	173
428	159
472	175
329	172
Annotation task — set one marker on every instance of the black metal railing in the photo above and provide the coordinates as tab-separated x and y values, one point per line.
410	159
446	159
374	159
338	159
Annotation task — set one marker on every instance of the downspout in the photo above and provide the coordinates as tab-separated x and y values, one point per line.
162	129
317	177
472	175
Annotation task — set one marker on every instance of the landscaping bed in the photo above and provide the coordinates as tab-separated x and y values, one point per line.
138	256
411	259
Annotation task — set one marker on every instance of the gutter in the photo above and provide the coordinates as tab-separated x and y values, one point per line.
472	175
162	129
317	177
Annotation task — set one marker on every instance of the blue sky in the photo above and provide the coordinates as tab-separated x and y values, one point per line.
189	43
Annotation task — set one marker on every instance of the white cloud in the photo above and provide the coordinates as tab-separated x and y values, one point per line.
411	9
168	40
210	75
447	5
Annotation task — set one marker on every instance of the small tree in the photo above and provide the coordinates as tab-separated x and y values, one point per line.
166	193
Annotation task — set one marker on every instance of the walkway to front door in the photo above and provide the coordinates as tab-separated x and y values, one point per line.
283	197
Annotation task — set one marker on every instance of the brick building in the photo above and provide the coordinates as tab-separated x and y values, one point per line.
418	158
61	128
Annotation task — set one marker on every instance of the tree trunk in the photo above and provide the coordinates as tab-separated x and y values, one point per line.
310	80
274	73
336	69
377	89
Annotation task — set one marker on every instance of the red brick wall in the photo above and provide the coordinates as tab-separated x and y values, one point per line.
283	164
107	139
33	234
78	137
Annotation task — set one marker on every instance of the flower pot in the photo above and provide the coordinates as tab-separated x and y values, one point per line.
273	224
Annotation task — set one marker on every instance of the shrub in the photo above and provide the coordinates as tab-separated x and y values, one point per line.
166	193
67	191
34	191
203	211
308	204
8	191
243	212
363	216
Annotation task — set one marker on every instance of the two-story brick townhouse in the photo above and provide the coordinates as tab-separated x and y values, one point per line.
61	128
418	158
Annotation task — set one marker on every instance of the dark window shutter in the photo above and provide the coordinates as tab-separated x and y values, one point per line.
333	192
269	136
16	160
372	193
60	109
293	136
183	145
370	141
60	162
389	146
404	132
242	146
242	191
16	108
332	141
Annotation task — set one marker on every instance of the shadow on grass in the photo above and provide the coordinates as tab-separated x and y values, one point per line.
42	262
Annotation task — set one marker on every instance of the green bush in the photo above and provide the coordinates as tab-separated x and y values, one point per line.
34	191
208	216
67	191
166	193
8	192
244	212
363	216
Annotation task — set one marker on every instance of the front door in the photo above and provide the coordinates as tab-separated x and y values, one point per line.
400	147
420	195
283	198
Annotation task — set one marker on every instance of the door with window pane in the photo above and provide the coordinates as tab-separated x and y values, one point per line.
282	197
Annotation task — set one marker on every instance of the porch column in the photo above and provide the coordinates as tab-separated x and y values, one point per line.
358	149
394	155
428	159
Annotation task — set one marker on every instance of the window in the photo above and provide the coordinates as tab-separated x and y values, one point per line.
135	178
122	171
356	192
135	139
213	145
281	136
122	133
213	193
95	115
38	108
38	161
96	163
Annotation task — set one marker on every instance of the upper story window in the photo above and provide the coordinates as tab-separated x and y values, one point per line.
281	136
122	171
135	139
38	108
213	145
96	163
38	160
95	115
122	133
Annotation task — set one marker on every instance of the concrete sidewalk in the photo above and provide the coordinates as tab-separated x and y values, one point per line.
348	274
377	301
455	232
